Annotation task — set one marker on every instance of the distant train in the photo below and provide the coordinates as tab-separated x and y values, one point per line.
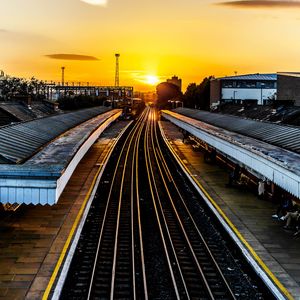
131	106
175	104
136	102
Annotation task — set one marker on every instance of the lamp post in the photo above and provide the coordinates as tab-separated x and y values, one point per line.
261	92
62	76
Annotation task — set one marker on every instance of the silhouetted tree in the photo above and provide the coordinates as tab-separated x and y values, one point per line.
14	87
198	96
167	91
191	95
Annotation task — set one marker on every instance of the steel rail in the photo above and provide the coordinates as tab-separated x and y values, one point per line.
133	139
118	220
203	278
137	200
164	218
152	188
195	225
131	134
134	136
168	173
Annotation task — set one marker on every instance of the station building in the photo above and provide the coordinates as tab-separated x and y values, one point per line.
259	88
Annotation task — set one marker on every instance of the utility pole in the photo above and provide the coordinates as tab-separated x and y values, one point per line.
117	83
62	76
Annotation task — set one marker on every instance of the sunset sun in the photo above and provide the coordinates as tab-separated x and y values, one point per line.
152	79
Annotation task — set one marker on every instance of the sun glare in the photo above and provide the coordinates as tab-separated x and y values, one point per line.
152	79
96	2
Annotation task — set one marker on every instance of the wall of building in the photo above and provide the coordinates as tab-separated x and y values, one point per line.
215	91
248	94
288	88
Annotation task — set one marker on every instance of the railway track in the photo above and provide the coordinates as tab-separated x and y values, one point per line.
196	275
142	239
108	255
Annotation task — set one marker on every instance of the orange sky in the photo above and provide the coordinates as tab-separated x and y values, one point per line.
190	38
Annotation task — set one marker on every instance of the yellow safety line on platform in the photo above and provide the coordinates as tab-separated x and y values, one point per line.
68	241
232	226
75	224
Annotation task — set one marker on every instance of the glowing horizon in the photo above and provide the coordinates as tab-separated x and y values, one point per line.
191	39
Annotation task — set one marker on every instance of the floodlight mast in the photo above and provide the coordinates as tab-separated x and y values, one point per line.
117	76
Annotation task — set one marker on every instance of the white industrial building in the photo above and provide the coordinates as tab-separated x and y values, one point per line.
252	87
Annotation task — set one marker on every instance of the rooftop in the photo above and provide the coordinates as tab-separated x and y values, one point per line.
45	162
270	151
21	141
256	76
283	136
291	74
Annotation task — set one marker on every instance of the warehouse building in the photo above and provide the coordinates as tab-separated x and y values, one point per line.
257	88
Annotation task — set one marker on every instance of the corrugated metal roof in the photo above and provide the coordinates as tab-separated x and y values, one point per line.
21	141
287	137
257	76
42	178
18	110
276	164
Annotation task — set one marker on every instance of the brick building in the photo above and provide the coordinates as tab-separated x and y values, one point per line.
288	87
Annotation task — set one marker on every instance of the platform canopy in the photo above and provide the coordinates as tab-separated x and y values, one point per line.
39	157
20	141
284	136
261	147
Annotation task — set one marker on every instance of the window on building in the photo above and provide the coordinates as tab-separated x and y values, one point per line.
227	84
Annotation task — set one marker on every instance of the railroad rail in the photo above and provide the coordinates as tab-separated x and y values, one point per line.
108	266
146	236
195	273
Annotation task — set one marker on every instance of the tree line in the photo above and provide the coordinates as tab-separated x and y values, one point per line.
196	95
14	87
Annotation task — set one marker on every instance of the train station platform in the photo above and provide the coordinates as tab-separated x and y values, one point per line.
34	238
263	239
269	151
37	158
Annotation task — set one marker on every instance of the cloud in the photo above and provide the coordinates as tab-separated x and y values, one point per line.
262	4
25	39
96	2
71	57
